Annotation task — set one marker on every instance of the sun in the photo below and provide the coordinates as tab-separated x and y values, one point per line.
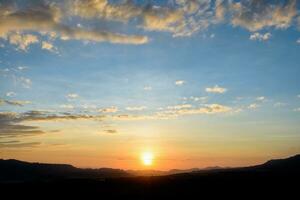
147	158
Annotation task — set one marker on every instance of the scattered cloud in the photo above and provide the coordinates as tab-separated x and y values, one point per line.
147	88
253	106
10	126
136	108
22	41
260	37
181	18
220	10
67	106
72	96
178	107
21	68
18	144
187	110
14	102
111	109
11	94
179	82
48	18
25	82
49	47
261	98
201	99
216	89
255	15
111	131
297	109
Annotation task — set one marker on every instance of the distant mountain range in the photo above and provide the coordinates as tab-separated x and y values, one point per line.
273	179
15	170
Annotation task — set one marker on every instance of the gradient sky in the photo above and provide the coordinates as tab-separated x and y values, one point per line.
95	83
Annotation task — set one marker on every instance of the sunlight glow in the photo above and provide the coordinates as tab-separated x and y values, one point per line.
147	158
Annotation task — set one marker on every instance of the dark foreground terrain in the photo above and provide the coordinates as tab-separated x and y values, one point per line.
274	179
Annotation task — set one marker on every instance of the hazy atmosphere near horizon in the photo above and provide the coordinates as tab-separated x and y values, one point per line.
149	84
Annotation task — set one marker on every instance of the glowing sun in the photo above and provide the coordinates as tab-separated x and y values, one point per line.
147	158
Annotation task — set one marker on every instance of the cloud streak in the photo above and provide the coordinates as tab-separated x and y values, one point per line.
216	89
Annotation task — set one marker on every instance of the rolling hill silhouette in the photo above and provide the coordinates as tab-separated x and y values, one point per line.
274	178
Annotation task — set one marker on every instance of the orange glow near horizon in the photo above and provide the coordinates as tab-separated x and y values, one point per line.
147	158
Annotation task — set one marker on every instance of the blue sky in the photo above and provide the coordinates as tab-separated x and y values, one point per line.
221	79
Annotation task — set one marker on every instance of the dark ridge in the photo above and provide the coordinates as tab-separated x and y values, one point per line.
275	178
15	170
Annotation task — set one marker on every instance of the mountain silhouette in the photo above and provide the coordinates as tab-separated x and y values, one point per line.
15	170
275	178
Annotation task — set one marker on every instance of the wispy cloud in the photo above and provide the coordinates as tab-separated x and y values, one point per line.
179	82
48	18
111	131
136	108
260	37
18	144
253	106
25	82
67	106
11	94
22	41
49	47
216	89
72	96
14	102
261	98
256	15
10	126
147	88
181	18
111	109
177	107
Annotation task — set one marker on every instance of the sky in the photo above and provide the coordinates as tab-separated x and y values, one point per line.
198	83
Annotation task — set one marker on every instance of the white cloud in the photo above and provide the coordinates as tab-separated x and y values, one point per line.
261	98
147	88
174	113
179	82
178	107
25	82
22	41
202	99
136	108
21	68
11	94
14	102
49	46
297	109
67	106
260	37
298	41
256	15
216	89
111	109
187	110
48	18
72	96
253	106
